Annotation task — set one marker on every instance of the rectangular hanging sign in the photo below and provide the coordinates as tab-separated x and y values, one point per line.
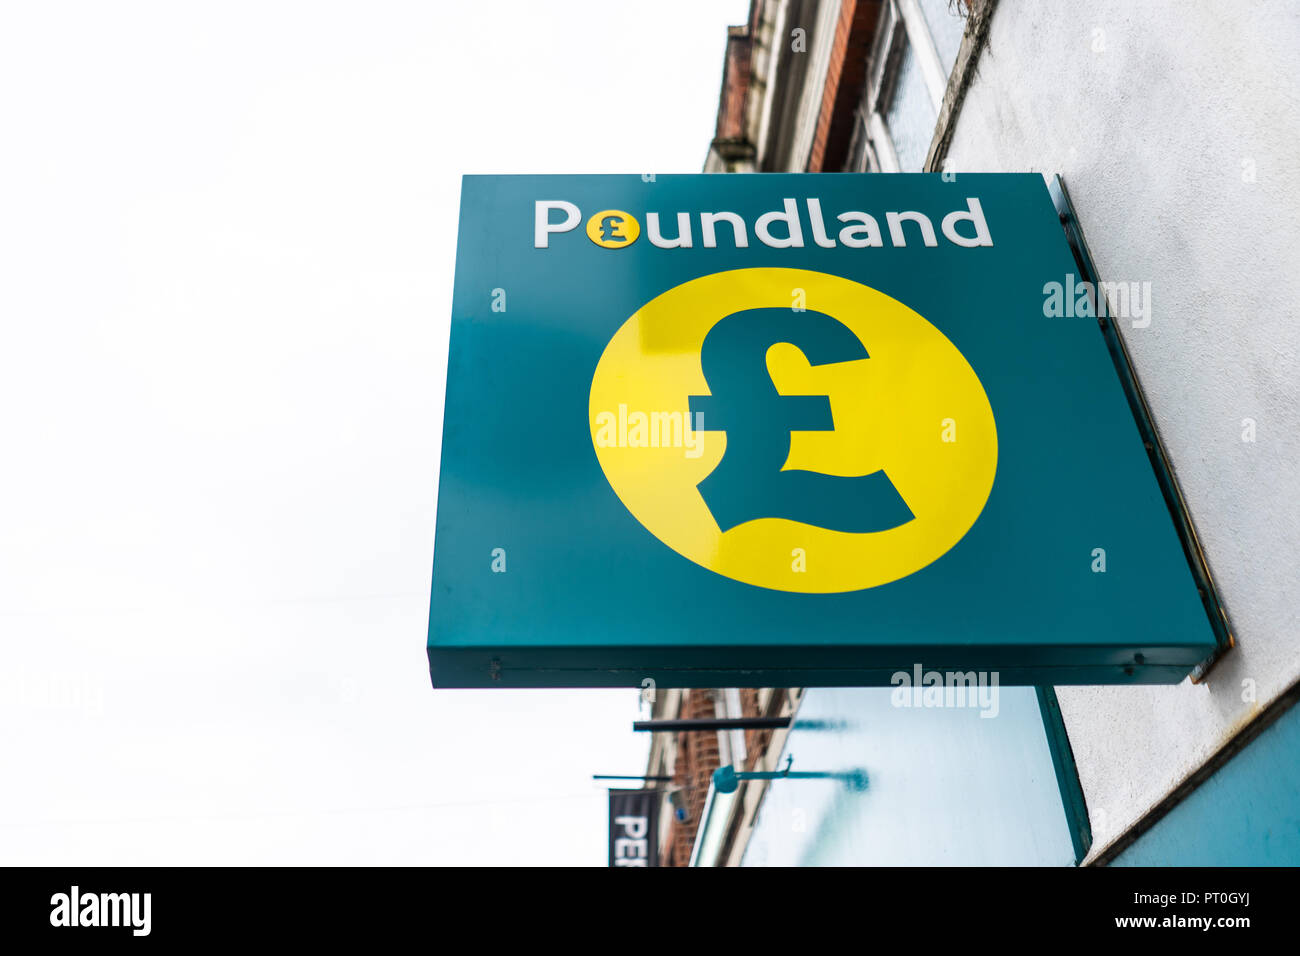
634	827
792	430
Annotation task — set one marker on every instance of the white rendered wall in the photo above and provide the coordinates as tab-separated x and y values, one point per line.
1159	115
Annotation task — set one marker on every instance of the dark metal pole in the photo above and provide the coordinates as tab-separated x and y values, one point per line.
720	723
621	776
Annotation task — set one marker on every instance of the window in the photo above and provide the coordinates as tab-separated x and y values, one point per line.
911	116
915	47
947	22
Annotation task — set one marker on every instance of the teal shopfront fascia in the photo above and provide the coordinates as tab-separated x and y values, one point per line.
947	787
922	785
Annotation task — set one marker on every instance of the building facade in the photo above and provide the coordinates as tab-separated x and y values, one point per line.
1167	124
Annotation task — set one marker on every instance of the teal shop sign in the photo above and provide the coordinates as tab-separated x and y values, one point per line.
793	430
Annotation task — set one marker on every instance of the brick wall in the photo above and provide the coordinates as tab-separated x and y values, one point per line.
697	758
756	741
845	75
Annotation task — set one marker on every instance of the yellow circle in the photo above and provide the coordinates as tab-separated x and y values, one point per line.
613	229
914	408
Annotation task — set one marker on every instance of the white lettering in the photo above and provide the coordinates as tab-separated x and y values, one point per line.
790	216
542	225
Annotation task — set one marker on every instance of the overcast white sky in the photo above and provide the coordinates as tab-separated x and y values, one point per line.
227	234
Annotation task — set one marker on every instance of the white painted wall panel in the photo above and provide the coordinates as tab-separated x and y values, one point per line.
1156	114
